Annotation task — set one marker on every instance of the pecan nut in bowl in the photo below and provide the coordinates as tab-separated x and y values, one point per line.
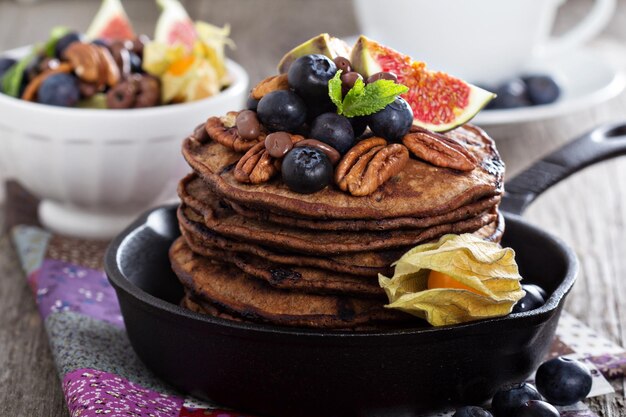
369	164
438	149
223	130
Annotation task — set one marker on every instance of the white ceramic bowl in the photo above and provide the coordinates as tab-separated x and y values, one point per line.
95	170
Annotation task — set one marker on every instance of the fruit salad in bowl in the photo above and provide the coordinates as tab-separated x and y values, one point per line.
92	122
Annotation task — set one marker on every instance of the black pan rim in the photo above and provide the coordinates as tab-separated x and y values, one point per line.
119	281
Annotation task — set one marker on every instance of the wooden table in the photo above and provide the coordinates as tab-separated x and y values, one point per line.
588	210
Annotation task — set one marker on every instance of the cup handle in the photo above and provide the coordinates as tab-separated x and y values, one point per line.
584	31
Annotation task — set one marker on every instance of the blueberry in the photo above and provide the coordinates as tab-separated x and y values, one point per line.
359	124
471	411
563	381
5	64
306	170
64	42
59	90
542	89
512	94
535	408
251	103
509	397
334	130
101	42
392	122
135	63
535	297
309	76
281	110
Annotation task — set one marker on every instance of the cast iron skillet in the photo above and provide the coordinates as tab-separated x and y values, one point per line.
279	371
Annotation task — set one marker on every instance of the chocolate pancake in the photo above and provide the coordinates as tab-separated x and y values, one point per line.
222	219
421	190
461	213
231	290
364	264
291	277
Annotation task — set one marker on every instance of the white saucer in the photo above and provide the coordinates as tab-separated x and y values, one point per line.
586	79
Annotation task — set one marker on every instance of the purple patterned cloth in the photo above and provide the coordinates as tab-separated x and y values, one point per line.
65	287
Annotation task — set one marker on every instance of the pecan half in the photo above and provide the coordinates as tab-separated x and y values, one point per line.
223	130
369	164
273	83
438	149
93	63
256	166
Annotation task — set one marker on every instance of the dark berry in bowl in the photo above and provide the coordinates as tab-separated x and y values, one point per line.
309	76
512	94
535	297
535	408
59	90
343	64
542	89
65	41
510	397
471	411
306	170
282	110
392	122
135	63
563	381
5	64
335	130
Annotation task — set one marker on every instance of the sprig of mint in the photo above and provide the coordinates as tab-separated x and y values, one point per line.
363	99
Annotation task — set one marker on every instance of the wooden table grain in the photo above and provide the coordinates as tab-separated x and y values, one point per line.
588	210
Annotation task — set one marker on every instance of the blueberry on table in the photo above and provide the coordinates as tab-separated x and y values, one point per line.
536	408
306	170
471	411
59	90
510	397
542	89
335	130
511	94
282	110
65	41
392	122
535	297
309	76
563	381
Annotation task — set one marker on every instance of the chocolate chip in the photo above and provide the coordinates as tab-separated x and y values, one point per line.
330	152
200	133
348	79
343	64
248	125
382	76
278	144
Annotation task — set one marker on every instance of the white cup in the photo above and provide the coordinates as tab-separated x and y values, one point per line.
482	41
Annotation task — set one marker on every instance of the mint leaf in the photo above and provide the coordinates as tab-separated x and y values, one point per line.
363	100
55	34
12	79
334	91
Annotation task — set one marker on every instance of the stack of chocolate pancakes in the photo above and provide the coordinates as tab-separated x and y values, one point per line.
263	253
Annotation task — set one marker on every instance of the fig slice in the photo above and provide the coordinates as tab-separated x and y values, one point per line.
111	22
440	102
323	44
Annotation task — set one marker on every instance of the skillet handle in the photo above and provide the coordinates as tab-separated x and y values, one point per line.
601	143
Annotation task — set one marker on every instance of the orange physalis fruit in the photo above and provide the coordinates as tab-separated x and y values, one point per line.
439	280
